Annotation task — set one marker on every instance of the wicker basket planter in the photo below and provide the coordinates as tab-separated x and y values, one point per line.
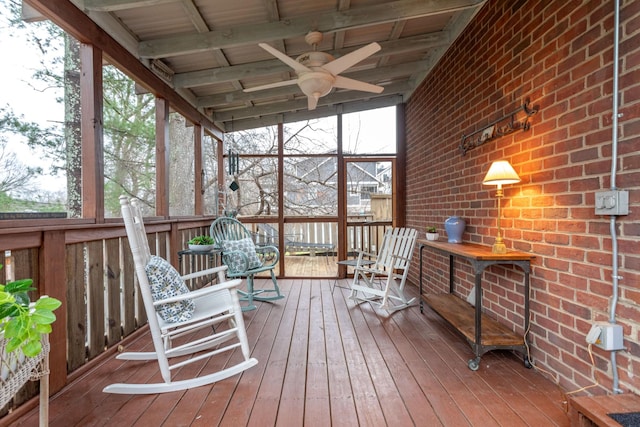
16	369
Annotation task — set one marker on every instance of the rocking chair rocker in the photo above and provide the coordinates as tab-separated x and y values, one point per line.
245	259
175	313
390	264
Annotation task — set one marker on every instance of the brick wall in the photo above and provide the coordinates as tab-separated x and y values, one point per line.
559	54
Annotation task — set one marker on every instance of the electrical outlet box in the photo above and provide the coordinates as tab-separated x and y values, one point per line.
607	336
614	202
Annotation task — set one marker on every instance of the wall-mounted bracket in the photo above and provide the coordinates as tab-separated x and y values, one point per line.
503	126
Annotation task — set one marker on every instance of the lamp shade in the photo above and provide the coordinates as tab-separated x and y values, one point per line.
501	173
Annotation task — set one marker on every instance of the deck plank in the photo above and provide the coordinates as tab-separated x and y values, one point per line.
317	403
367	404
326	360
273	358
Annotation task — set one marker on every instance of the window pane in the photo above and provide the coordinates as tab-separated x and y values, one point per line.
310	186
210	166
370	132
311	137
369	191
129	143
181	166
33	166
253	141
254	189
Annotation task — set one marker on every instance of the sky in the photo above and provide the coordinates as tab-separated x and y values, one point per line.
377	130
20	61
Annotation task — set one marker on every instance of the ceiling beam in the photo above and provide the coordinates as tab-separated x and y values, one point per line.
454	28
372	75
324	111
114	5
301	103
299	26
274	66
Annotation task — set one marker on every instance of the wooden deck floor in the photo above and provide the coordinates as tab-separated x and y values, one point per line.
323	360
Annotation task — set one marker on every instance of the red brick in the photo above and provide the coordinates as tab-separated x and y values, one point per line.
564	64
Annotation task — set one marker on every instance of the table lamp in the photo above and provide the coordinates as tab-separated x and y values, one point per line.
500	173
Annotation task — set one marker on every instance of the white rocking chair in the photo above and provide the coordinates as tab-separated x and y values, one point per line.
378	281
178	313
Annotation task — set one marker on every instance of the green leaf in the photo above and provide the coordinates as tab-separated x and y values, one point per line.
23	285
13	344
13	328
44	317
8	309
22	298
48	303
32	348
43	329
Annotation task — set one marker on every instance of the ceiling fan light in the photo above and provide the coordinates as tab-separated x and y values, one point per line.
315	84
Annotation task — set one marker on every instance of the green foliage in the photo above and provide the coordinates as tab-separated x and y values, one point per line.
23	322
129	141
201	240
13	204
432	229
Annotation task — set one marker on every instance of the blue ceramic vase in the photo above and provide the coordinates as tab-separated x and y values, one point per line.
454	225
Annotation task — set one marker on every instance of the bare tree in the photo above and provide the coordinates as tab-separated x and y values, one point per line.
14	175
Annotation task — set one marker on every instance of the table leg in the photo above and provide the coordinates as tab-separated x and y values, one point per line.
421	247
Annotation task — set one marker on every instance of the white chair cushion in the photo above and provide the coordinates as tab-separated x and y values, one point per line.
165	282
236	260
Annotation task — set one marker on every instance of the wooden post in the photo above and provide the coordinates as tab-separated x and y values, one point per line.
53	282
198	170
92	139
162	157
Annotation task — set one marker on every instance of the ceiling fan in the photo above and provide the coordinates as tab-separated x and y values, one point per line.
318	72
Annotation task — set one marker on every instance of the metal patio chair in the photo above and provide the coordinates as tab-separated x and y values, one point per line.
245	259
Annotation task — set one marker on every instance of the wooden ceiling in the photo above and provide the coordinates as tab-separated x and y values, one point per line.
208	50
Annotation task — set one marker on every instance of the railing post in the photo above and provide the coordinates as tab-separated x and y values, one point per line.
174	244
52	282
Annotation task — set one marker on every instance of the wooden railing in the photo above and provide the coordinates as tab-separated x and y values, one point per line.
89	267
365	236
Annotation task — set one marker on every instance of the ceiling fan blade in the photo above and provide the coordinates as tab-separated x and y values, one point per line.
347	83
337	66
312	103
271	85
284	58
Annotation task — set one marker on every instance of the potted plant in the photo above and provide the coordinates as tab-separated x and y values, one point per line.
432	233
202	243
22	322
24	329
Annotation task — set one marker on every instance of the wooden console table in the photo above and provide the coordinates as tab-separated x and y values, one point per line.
482	332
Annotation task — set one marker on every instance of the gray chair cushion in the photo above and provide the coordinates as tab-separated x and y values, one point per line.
235	249
165	282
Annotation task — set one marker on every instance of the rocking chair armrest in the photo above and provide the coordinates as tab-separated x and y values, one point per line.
397	257
362	254
261	250
208	271
231	283
200	292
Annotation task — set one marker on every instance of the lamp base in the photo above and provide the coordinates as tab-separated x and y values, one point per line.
499	248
